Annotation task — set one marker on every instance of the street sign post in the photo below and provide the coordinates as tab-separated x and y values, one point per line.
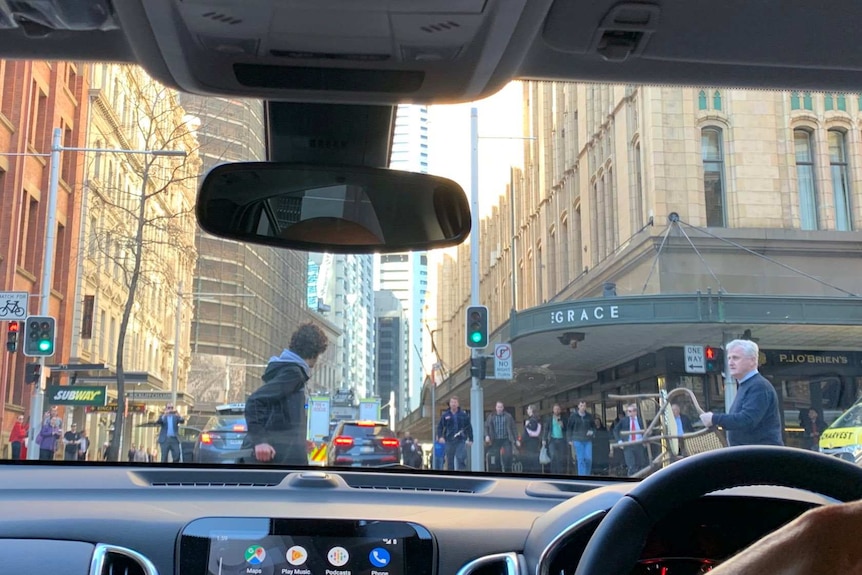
503	362
694	359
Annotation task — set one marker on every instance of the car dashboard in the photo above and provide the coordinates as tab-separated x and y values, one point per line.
105	520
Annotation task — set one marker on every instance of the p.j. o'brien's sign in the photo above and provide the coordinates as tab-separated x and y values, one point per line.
585	314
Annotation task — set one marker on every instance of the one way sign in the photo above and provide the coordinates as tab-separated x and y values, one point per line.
694	360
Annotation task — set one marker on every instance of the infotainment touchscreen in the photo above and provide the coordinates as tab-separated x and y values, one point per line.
266	546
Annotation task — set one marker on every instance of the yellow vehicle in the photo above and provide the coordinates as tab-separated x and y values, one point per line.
844	437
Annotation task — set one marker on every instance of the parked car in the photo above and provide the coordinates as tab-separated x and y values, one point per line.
362	444
221	437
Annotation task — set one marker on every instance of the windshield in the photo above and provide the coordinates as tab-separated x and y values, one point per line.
648	259
850	418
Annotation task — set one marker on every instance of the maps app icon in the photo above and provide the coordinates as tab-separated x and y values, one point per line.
255	555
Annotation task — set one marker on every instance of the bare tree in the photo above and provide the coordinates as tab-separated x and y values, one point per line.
146	235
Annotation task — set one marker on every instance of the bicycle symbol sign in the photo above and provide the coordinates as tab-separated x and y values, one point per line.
13	305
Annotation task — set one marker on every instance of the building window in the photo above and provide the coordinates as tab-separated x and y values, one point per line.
540	272
805	103
564	255
713	176
716	100
701	100
803	145
638	204
840	180
835	102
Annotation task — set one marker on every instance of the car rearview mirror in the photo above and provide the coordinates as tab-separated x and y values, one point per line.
337	209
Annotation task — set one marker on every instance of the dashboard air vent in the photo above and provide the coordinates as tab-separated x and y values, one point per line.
498	564
113	560
210	484
208	478
413	489
409	483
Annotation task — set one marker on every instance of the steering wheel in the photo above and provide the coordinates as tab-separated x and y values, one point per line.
632	518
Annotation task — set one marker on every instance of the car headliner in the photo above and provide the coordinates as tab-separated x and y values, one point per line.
786	43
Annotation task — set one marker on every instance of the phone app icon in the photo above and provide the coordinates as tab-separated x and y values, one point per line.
379	557
338	556
297	555
255	555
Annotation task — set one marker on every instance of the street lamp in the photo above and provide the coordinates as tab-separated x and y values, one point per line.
38	399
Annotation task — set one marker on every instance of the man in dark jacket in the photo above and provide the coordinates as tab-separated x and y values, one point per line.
581	430
501	436
456	432
275	413
754	417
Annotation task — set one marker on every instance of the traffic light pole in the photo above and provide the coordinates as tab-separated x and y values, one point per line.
477	397
729	382
37	401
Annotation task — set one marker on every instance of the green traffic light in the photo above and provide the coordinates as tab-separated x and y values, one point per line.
476	337
44	345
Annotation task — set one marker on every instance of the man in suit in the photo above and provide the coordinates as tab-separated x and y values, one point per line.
169	433
754	417
635	455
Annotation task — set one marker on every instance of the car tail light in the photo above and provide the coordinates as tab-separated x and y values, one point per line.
343	441
239	427
206	438
366	424
389	442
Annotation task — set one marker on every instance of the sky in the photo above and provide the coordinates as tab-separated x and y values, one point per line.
500	117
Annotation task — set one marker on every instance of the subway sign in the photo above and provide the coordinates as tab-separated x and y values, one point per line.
76	395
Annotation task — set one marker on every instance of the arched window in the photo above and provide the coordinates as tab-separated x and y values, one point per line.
840	180
803	143
712	153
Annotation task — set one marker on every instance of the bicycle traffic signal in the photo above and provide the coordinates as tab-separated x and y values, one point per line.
477	326
12	336
39	336
714	357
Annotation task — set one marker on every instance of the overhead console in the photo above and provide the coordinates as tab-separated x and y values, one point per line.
357	51
271	546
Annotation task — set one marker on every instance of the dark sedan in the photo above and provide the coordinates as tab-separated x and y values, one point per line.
362	444
220	440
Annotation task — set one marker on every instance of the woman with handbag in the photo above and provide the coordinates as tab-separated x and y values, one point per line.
531	442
